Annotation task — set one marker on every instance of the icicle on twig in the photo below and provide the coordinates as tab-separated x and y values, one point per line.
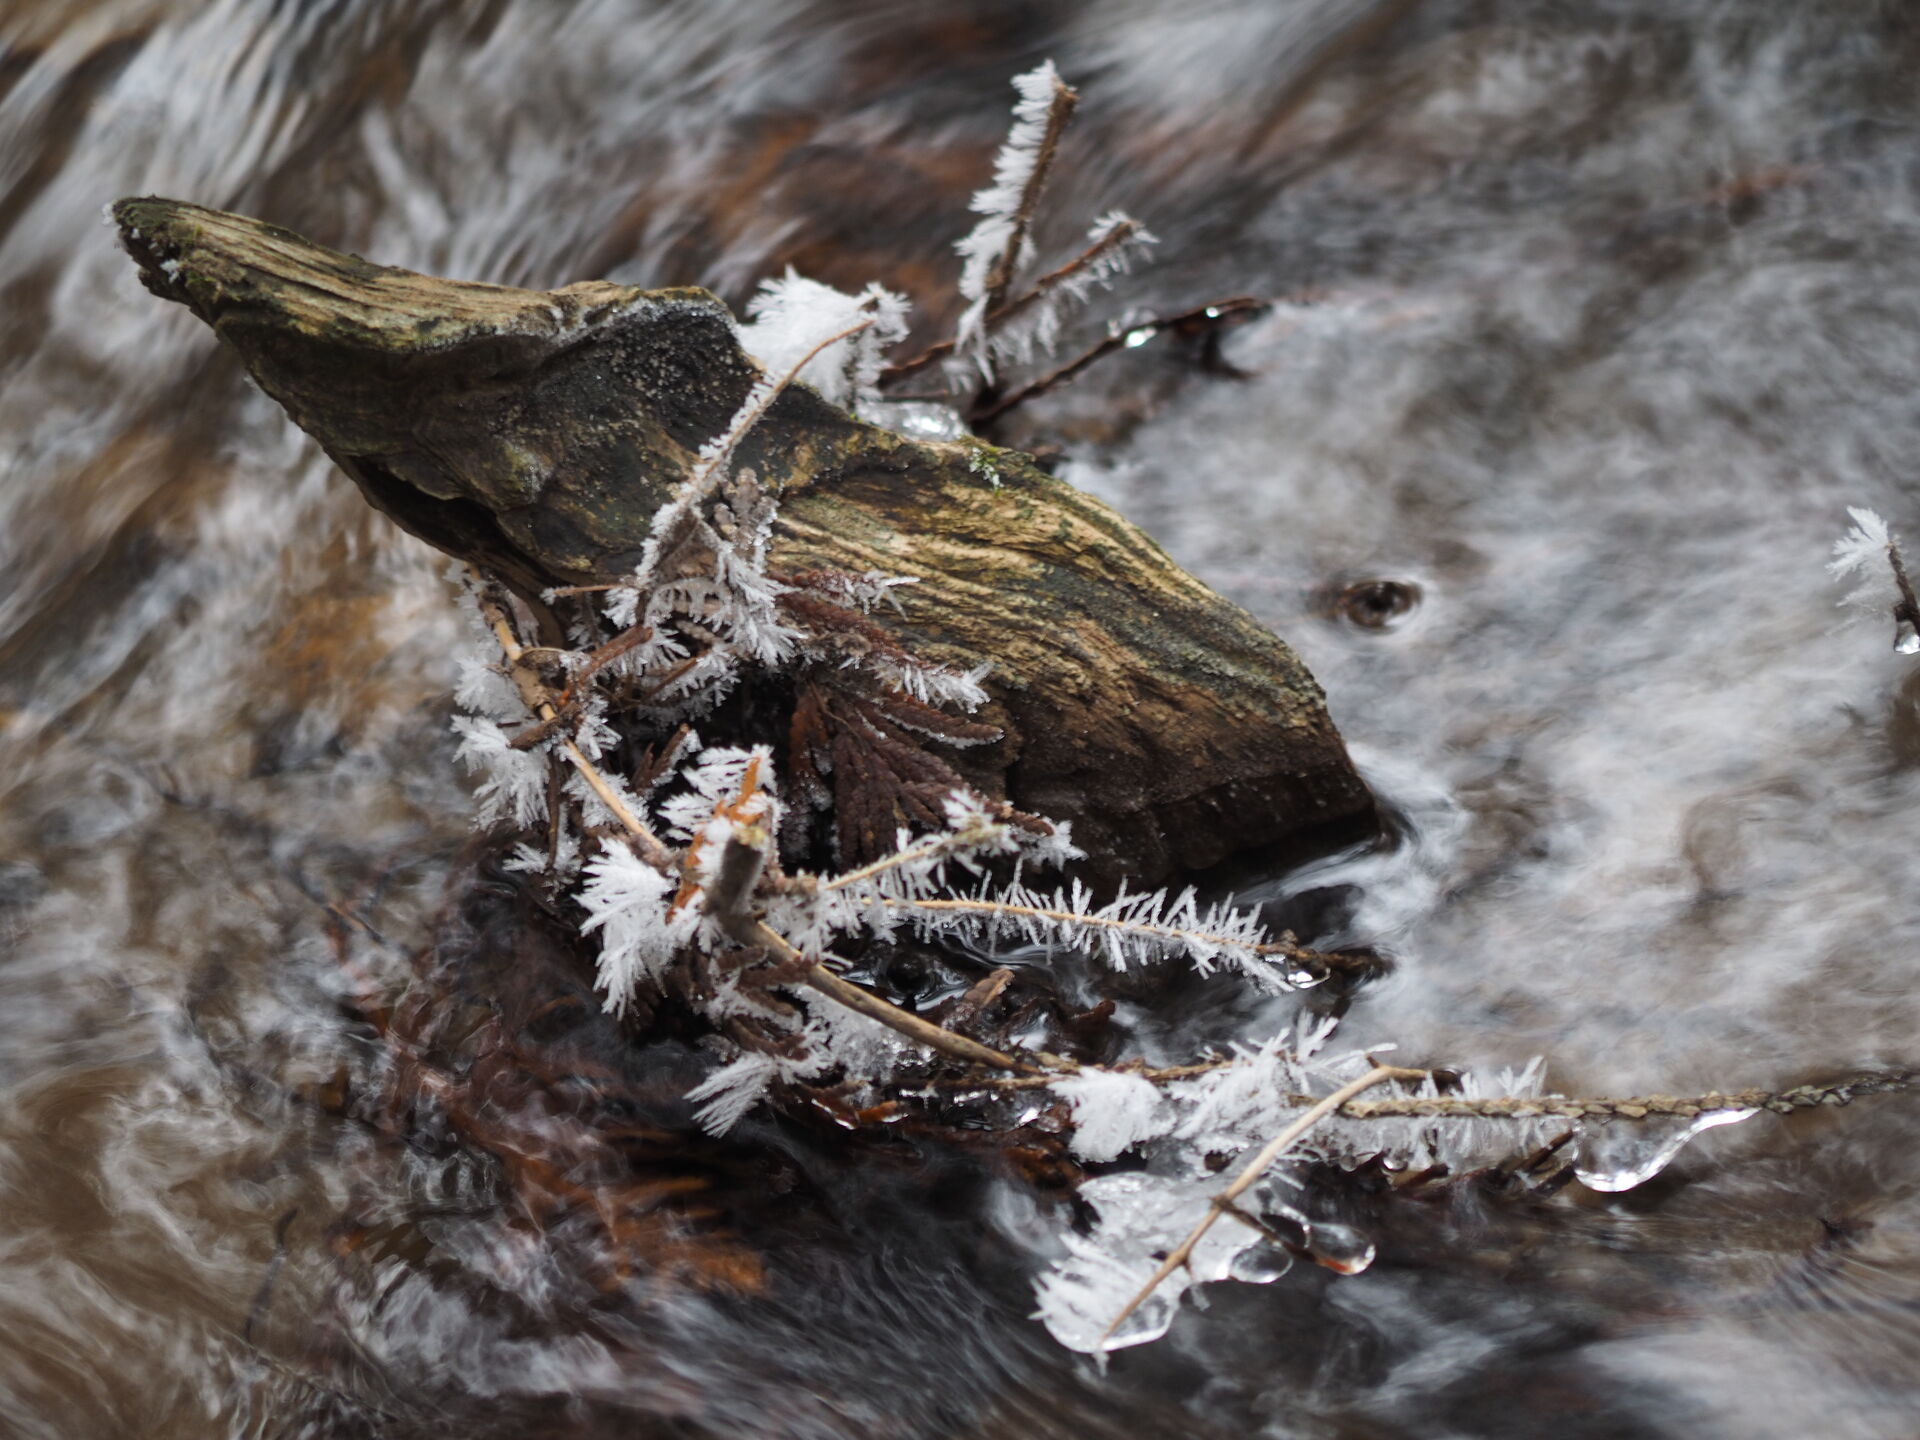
1252	1171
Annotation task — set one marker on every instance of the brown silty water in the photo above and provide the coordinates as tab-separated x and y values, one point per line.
1592	321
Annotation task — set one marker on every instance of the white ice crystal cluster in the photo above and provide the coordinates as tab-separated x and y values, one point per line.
1861	555
789	316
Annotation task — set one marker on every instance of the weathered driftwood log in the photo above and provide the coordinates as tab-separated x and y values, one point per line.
537	432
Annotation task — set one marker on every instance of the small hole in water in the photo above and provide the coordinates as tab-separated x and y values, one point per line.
1379	604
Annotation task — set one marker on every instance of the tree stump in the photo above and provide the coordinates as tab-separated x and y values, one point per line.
536	433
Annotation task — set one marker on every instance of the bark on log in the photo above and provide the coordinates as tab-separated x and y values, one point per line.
537	432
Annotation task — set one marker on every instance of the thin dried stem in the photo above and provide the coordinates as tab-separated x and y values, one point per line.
1120	339
1252	1171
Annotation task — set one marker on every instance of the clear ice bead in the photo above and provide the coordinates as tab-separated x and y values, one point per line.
1341	1248
1260	1264
1620	1154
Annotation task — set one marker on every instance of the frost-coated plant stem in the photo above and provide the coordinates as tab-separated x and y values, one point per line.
650	844
834	987
1007	910
1534	1107
1059	111
1253	1170
1636	1107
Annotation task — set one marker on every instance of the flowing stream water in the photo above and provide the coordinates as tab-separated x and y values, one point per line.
1593	320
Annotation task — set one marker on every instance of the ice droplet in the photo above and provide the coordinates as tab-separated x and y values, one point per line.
1341	1248
1906	638
1621	1154
1260	1264
1137	338
1148	1323
1303	977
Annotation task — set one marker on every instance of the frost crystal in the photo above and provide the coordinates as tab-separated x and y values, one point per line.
514	783
732	1090
1864	553
1112	1112
626	900
792	314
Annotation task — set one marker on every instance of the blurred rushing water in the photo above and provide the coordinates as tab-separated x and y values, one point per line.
1595	317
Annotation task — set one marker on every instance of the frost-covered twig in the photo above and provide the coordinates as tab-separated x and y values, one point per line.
1524	1107
1631	1107
995	248
711	463
1252	1171
1031	324
1869	553
1109	243
1016	327
496	617
1128	927
835	987
973	830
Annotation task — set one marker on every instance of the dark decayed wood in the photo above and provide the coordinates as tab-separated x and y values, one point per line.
536	433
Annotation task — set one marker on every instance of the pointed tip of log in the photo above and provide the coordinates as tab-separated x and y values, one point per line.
237	273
